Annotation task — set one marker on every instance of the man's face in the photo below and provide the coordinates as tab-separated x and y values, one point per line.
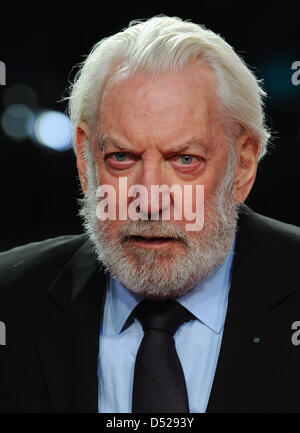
161	131
157	131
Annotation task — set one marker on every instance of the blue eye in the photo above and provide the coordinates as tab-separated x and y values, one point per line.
186	159
120	156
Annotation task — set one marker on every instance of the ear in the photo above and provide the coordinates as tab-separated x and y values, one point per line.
82	138
247	152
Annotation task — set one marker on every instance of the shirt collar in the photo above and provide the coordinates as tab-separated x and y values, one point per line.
122	302
207	301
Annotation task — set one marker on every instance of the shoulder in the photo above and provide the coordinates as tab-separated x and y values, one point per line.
268	236
287	233
37	261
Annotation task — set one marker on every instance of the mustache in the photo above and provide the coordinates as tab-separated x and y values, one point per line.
149	228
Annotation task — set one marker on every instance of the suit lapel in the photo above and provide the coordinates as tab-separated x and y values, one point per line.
256	338
69	345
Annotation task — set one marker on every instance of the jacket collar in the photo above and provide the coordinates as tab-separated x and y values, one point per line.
69	345
256	338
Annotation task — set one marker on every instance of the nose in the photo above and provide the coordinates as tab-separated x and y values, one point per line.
155	198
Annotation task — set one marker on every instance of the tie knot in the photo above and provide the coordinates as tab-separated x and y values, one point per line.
165	316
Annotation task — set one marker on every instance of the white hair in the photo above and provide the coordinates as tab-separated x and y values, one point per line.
161	44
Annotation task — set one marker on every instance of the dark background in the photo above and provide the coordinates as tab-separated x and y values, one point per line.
40	45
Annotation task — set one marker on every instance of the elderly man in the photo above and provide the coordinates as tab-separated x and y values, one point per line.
149	311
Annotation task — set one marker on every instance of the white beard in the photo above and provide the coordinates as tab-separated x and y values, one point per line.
167	272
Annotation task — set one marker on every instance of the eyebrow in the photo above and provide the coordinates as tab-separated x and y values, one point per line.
194	141
180	148
103	143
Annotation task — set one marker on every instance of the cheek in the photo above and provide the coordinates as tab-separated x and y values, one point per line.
211	183
205	187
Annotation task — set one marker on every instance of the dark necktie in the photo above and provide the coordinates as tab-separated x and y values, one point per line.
159	384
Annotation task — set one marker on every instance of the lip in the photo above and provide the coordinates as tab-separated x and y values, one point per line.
151	241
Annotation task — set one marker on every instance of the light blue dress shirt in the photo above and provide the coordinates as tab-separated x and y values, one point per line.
197	342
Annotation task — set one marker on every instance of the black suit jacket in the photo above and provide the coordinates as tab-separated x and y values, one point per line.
51	300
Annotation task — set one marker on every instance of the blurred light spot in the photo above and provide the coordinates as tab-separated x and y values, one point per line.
15	121
20	94
53	129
